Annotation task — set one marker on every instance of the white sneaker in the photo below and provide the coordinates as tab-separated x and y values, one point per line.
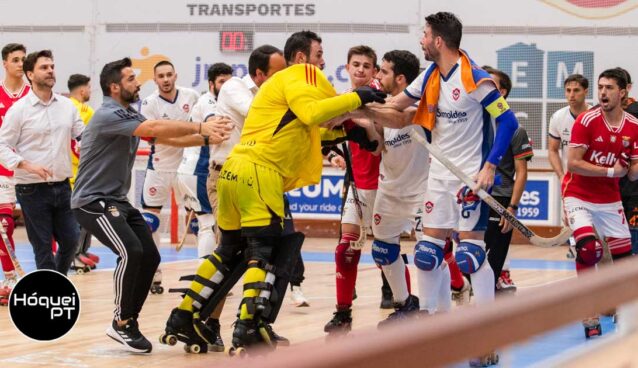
297	297
462	297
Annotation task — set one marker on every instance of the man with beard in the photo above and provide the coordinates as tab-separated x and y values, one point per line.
99	200
35	140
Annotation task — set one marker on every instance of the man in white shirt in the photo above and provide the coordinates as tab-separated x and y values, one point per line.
35	140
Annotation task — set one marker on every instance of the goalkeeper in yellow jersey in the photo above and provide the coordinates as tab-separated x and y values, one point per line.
279	150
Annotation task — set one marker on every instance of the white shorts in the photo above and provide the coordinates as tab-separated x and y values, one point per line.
157	188
366	201
393	215
443	212
7	189
608	219
191	193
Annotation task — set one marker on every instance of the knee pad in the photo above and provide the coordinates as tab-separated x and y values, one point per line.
427	256
152	220
385	253
589	250
469	257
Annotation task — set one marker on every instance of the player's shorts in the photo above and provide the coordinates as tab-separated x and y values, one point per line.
191	193
251	198
608	219
393	215
7	189
443	212
157	188
366	203
211	188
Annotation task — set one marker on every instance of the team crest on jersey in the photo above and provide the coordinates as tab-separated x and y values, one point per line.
626	141
612	139
377	219
152	191
429	206
114	211
456	93
186	108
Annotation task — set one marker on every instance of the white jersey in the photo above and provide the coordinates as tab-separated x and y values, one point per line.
234	100
462	130
155	107
405	162
195	160
560	127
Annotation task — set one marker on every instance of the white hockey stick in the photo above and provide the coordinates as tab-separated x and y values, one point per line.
10	251
559	239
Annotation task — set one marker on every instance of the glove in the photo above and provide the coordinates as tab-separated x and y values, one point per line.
368	95
359	136
467	199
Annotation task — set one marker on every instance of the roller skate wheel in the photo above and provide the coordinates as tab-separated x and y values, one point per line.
79	271
160	290
236	351
193	349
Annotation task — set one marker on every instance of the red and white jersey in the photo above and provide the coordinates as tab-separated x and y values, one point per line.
155	107
6	100
604	144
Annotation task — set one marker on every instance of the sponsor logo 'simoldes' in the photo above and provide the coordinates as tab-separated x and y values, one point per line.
44	305
594	9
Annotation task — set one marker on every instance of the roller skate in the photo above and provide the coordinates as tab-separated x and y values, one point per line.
216	338
463	296
485	360
130	336
277	339
592	327
80	267
179	327
297	297
156	286
341	322
505	283
248	337
94	257
408	310
82	257
6	286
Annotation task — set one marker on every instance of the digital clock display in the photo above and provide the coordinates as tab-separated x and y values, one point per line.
235	41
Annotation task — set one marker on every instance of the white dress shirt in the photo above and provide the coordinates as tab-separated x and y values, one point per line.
234	100
41	133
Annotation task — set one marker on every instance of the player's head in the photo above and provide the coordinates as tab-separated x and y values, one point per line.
304	47
118	81
398	69
502	80
13	55
442	31
165	76
612	89
40	69
218	74
629	84
263	62
360	66
576	88
80	87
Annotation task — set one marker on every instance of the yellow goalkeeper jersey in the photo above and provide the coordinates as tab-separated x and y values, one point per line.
281	130
86	113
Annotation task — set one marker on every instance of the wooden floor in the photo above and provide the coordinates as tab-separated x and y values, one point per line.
87	345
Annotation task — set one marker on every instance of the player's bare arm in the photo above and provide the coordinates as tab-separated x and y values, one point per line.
222	127
632	174
389	116
172	129
553	146
577	165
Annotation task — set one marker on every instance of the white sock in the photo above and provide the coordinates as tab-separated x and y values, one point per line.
429	286
483	279
445	291
395	274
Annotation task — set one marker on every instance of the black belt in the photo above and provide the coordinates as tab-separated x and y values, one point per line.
48	183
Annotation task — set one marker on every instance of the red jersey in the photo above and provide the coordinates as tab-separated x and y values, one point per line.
7	99
604	145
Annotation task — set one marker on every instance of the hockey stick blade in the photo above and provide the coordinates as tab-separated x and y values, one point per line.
561	238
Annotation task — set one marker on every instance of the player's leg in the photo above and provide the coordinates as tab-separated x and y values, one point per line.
296	293
65	228
7	203
155	193
36	201
611	223
589	250
497	245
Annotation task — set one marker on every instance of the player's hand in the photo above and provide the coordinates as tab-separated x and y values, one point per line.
505	225
217	125
485	178
40	171
337	161
621	167
368	95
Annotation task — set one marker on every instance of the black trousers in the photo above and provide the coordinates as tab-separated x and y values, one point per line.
497	244
121	227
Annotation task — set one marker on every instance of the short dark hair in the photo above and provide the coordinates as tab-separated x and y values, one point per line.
619	76
218	69
163	62
260	59
299	41
77	80
32	59
12	47
112	73
578	78
626	74
504	80
404	62
447	26
363	50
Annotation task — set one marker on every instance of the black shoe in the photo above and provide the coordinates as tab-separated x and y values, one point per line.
402	312
130	336
213	325
386	299
341	322
278	339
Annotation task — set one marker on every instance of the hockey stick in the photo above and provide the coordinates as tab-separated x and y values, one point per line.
10	251
359	243
561	238
188	221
